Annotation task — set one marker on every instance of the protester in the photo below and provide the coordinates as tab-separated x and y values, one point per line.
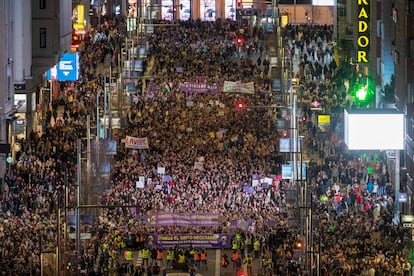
215	155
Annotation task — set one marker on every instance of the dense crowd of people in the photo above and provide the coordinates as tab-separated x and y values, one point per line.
215	155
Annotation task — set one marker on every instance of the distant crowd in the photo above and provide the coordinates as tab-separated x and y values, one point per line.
217	155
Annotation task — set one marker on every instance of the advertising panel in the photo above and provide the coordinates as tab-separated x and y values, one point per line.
374	129
66	70
86	221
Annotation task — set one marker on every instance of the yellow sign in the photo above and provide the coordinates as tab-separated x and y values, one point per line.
324	119
284	20
79	13
363	31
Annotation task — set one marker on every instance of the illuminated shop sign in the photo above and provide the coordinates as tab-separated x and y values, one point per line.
363	31
66	70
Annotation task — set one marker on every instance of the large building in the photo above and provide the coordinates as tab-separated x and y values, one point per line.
34	36
377	37
402	49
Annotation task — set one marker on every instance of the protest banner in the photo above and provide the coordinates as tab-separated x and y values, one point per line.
136	143
184	219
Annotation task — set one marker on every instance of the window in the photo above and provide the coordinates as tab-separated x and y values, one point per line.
394	15
42	37
410	7
42	4
379	28
410	96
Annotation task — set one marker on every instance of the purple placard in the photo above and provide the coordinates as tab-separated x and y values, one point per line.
248	189
233	224
166	178
199	87
271	223
152	90
184	219
188	240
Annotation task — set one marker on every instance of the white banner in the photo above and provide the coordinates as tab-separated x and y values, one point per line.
238	87
136	143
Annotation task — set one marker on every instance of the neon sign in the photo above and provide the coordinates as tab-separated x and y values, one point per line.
363	31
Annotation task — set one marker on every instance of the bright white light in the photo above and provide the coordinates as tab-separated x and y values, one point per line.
323	2
374	131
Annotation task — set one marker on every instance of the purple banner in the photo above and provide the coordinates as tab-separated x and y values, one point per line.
199	87
185	219
187	240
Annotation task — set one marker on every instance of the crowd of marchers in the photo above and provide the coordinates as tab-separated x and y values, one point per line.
213	152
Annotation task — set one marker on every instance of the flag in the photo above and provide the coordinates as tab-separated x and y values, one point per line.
166	88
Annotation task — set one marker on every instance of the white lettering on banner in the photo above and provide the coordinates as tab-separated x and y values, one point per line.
66	65
136	143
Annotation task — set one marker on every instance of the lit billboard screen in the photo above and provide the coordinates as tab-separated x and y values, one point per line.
374	130
66	70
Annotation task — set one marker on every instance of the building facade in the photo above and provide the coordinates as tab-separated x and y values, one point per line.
34	35
402	49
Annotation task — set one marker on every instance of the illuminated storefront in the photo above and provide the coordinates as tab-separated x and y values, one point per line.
167	10
230	9
208	10
185	10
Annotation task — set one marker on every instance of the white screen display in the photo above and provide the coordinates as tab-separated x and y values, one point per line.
374	131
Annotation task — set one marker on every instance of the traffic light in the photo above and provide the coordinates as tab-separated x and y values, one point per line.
304	118
239	41
298	245
68	265
239	3
241	105
306	14
361	93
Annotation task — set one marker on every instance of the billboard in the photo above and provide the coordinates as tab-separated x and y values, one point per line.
66	70
380	129
287	171
86	221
